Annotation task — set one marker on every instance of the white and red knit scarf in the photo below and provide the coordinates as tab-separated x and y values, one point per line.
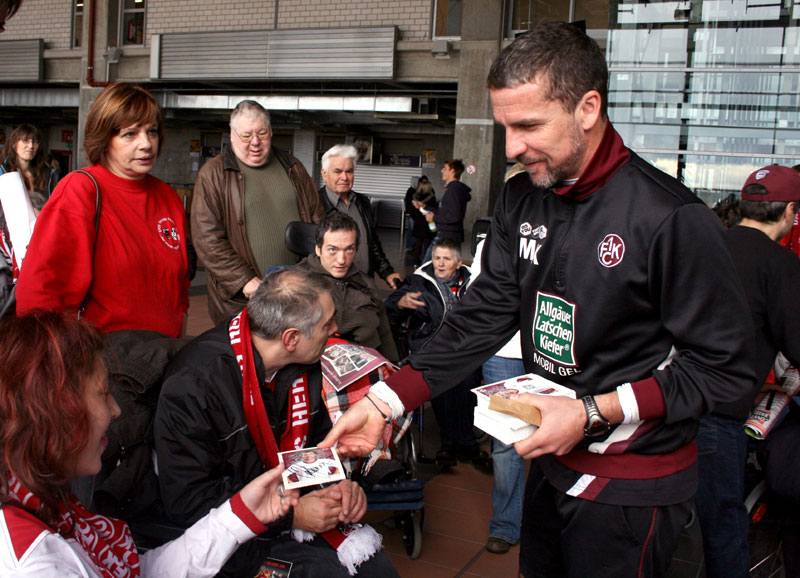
107	541
354	543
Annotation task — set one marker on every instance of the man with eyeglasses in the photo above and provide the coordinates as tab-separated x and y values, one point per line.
360	316
243	200
338	172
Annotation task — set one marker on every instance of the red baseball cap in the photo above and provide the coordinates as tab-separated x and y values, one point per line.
782	184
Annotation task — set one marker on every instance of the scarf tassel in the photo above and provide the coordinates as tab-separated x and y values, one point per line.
358	546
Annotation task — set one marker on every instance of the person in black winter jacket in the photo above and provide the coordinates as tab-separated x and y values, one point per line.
424	299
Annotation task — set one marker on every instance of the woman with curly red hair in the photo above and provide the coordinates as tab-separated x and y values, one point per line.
55	408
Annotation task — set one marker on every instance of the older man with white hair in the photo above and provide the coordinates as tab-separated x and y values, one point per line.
338	172
243	200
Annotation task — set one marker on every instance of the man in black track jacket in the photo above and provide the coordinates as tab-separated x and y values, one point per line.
619	280
770	275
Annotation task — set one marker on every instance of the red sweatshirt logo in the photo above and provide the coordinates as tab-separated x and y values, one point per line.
611	250
168	231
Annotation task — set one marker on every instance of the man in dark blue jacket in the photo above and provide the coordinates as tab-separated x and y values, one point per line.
449	216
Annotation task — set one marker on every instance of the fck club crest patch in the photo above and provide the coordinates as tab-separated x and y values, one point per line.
168	231
611	250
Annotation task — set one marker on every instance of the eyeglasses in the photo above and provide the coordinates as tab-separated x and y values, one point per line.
261	135
29	140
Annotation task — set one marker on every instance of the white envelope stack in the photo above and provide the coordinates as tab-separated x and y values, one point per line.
506	428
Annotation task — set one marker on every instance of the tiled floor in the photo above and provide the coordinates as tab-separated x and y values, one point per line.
458	501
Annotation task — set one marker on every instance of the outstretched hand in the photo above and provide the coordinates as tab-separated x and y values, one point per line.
261	496
359	429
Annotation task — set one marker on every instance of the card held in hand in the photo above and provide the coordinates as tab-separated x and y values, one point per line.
310	467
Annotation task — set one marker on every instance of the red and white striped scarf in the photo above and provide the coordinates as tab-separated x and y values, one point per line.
352	542
107	541
255	413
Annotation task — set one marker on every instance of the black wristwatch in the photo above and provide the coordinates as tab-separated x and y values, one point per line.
596	424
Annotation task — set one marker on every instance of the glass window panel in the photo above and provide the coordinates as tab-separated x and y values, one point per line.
647	47
738	47
791	53
133	28
635	80
134	5
787	142
714	177
729	140
528	13
448	18
665	163
638	135
77	23
739	10
709	129
652	12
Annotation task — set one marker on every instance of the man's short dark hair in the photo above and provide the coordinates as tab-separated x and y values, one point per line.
569	62
286	299
457	166
450	244
761	211
335	221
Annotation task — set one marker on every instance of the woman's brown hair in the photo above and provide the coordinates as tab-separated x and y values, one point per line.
120	105
45	361
38	166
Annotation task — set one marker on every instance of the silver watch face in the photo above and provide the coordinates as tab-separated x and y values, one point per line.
597	426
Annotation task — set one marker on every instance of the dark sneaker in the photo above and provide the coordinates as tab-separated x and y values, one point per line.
497	545
446	458
471	454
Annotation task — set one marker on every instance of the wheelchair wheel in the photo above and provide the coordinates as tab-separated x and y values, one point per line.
412	532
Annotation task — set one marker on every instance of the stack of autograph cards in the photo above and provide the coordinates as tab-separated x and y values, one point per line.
310	467
504	427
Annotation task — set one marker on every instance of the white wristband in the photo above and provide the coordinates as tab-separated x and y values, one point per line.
385	393
627	401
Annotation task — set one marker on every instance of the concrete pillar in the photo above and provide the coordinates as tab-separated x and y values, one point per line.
478	140
104	36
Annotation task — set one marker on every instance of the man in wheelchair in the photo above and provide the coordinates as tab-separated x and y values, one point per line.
236	396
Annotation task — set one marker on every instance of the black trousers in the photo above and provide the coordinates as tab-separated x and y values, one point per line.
454	414
566	536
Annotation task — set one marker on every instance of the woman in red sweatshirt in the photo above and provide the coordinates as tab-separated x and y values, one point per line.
129	271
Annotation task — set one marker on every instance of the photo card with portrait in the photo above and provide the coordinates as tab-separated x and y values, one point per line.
310	467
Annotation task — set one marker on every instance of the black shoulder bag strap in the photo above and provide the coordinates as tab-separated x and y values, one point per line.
98	205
